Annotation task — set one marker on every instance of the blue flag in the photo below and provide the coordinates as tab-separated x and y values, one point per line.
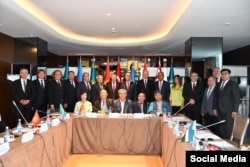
66	70
92	74
79	72
62	111
132	69
171	73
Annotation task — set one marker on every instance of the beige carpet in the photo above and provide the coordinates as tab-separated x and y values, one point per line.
106	160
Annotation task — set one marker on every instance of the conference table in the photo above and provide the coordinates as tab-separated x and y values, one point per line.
99	135
123	135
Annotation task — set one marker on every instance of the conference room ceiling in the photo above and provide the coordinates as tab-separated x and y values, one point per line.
128	28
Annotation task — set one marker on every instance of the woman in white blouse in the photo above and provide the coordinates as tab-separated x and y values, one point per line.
83	106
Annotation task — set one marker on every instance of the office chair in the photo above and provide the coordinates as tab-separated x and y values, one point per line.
239	129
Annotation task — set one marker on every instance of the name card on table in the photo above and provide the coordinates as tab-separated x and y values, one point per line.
114	115
55	122
4	148
27	136
138	115
43	128
91	115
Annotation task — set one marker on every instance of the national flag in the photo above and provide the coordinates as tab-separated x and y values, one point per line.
79	72
36	119
92	74
107	73
132	69
62	111
66	70
145	65
171	73
118	72
158	70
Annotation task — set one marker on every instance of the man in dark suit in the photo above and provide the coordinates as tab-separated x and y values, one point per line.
226	103
146	86
56	91
163	87
41	100
130	87
112	87
85	86
192	94
122	105
23	93
70	92
95	91
207	105
140	106
104	103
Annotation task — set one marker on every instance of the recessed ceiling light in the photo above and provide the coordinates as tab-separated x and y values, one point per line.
108	14
227	24
1	25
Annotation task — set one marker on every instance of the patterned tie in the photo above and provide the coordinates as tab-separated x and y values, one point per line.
160	85
127	85
145	83
209	92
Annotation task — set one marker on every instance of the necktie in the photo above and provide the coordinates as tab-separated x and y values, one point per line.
113	87
59	84
145	83
24	85
141	106
208	92
72	83
101	86
222	85
193	87
87	85
127	85
160	85
42	84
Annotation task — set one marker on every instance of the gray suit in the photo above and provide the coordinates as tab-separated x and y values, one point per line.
127	106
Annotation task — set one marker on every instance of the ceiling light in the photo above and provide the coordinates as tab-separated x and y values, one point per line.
176	12
227	24
1	25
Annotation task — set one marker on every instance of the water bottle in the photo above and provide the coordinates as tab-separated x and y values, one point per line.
48	121
7	135
19	127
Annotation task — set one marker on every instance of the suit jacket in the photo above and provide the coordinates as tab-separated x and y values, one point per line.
111	94
127	106
41	99
228	99
69	95
137	109
95	92
165	90
97	104
207	102
18	93
197	95
81	86
55	93
149	90
131	91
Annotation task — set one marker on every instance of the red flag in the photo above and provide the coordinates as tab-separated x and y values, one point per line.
158	70
107	73
36	119
118	72
145	65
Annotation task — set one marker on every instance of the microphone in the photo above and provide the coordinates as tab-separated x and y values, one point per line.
20	113
181	109
222	121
